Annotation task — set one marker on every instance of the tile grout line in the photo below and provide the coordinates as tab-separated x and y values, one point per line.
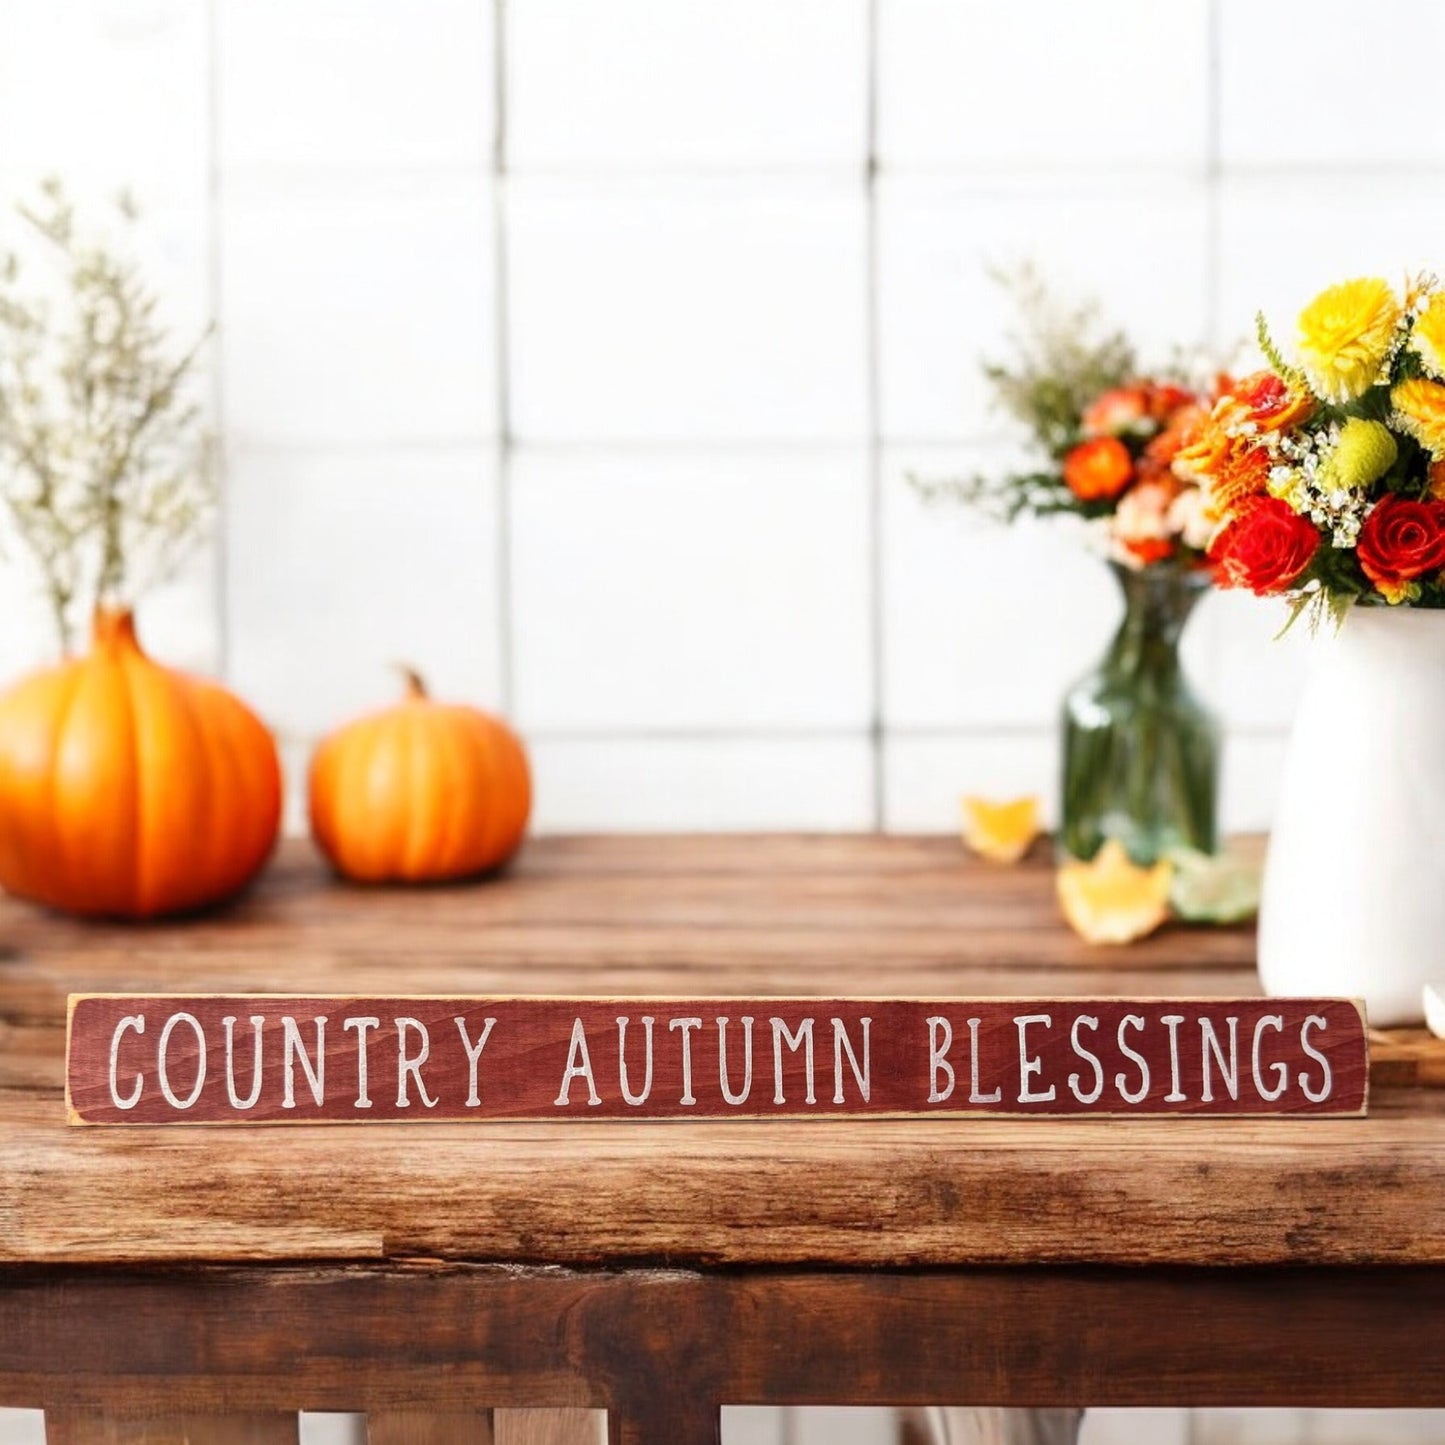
220	582
1213	240
1213	250
505	443
874	410
1214	102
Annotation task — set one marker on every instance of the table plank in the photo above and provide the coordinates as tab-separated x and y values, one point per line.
209	1340
842	915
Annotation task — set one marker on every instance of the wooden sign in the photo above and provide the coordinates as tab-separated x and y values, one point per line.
270	1059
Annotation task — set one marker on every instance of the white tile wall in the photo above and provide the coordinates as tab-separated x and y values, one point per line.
650	84
940	309
1052	84
334	84
695	309
702	783
686	557
959	593
1394	124
357	312
109	94
580	351
341	566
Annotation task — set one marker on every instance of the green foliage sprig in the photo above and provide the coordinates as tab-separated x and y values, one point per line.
106	466
1063	358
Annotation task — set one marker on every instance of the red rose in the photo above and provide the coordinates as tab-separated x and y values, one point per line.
1265	548
1401	540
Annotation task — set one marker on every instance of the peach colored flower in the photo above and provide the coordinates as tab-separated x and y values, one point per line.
1115	412
1141	523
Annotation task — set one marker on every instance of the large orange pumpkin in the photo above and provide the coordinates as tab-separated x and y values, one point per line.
128	790
420	792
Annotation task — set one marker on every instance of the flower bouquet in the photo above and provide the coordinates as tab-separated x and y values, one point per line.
1140	751
1324	481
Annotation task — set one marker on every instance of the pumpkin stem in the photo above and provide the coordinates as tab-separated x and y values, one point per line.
113	627
415	687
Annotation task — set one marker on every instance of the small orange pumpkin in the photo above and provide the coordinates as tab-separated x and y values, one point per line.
128	790
419	792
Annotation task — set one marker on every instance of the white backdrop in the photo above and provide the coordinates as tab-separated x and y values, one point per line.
576	350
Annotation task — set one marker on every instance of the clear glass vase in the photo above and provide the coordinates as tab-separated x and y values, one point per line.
1140	750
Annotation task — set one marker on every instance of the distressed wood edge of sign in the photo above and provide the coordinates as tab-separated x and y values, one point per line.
74	1118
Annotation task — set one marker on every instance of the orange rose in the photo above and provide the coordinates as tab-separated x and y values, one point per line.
1098	470
1120	410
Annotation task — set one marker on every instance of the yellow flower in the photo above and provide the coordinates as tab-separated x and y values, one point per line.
1427	340
1345	335
1420	411
1363	454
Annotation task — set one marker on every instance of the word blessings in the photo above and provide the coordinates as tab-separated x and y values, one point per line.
263	1059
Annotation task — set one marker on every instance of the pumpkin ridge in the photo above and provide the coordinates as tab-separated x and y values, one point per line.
353	794
190	693
488	788
38	885
125	660
74	677
457	793
419	789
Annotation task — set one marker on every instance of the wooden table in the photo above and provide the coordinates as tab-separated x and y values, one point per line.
428	1274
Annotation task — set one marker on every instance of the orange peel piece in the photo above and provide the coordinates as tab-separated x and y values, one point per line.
1002	832
1112	900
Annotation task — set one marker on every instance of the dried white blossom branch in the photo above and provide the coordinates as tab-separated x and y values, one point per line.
106	465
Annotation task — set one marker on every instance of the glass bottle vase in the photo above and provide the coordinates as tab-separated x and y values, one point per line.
1140	750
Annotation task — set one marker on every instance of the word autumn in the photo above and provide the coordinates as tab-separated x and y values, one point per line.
271	1059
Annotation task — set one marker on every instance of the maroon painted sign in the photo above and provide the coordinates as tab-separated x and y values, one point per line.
270	1059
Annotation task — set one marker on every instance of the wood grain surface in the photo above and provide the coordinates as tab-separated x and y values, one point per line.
1407	1056
663	1349
851	916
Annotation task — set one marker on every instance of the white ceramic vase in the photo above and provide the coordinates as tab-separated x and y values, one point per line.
1354	884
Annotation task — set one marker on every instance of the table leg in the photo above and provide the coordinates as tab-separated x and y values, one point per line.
989	1425
666	1419
549	1427
415	1427
101	1427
